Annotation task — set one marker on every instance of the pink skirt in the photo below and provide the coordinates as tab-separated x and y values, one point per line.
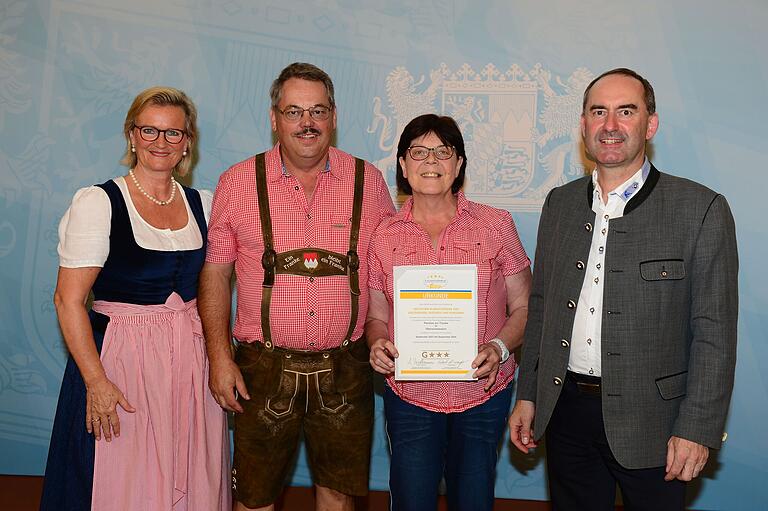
173	452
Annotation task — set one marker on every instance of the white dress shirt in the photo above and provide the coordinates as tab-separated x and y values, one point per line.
587	326
84	228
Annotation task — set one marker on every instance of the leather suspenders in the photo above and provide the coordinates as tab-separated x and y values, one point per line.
353	259
269	257
325	264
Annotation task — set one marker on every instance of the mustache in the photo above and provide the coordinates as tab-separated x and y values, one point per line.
611	134
307	131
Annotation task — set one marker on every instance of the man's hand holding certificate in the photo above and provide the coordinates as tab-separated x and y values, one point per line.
435	309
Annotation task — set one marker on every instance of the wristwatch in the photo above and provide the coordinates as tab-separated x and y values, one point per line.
503	347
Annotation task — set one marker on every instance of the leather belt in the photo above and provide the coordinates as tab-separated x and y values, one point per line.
584	383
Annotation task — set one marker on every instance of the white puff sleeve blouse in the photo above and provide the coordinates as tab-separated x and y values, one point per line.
84	228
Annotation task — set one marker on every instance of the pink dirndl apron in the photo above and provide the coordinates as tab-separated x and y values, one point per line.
173	452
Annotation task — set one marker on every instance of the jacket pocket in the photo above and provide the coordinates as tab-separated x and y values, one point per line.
663	269
673	386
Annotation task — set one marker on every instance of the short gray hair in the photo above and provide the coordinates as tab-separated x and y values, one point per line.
303	71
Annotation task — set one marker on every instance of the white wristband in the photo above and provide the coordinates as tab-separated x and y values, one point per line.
503	347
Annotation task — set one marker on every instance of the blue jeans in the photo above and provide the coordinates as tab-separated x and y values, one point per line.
427	445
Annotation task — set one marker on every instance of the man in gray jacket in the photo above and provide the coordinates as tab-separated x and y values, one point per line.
630	348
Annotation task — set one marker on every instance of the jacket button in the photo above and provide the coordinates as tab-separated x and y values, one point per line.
664	273
588	227
571	304
557	381
580	265
564	343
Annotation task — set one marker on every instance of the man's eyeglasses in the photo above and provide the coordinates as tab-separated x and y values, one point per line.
419	152
150	134
293	113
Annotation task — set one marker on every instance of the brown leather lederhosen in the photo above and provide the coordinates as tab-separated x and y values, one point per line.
301	261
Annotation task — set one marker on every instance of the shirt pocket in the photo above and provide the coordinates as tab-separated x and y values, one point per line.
467	252
406	254
481	254
332	232
662	269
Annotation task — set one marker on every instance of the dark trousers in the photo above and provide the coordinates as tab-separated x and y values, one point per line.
582	470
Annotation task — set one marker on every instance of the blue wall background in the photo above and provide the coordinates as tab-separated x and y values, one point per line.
512	73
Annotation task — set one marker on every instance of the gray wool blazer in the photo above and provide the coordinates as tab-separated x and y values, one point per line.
669	314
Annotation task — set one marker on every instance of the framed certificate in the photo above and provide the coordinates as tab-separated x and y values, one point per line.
435	309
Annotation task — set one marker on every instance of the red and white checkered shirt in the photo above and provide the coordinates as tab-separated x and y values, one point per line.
306	313
478	234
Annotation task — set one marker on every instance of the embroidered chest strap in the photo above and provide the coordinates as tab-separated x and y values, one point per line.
316	262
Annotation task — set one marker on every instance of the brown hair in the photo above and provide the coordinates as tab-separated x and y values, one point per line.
449	134
649	96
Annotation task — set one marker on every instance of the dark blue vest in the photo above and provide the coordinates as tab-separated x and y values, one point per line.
137	275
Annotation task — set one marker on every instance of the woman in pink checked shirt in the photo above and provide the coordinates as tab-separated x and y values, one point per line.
448	429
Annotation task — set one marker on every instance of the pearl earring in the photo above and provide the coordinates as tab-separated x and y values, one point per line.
133	148
184	153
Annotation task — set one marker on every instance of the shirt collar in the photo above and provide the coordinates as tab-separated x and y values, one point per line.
628	188
462	207
326	169
330	164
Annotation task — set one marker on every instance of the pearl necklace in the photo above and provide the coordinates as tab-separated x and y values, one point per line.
152	198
